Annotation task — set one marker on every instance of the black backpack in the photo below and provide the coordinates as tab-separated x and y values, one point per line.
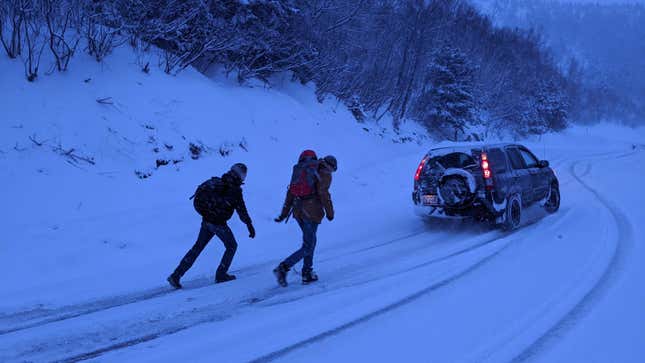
207	195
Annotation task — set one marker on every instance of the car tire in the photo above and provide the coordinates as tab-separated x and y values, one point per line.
553	201
512	213
454	191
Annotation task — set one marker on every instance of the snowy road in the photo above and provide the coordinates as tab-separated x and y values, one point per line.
433	292
513	305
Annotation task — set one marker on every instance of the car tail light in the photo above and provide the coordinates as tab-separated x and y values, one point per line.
417	175
488	176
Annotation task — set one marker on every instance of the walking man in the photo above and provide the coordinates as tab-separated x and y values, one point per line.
309	201
215	200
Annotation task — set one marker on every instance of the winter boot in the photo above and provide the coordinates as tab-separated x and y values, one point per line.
308	276
280	273
174	281
224	277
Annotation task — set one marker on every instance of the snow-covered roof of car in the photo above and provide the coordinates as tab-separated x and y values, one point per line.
447	147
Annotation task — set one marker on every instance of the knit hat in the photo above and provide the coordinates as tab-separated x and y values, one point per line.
240	170
331	161
307	154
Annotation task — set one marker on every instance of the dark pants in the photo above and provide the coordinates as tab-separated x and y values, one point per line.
306	252
206	233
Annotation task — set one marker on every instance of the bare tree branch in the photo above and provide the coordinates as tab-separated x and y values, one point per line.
105	101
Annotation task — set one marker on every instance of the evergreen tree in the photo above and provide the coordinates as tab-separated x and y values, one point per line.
552	108
447	103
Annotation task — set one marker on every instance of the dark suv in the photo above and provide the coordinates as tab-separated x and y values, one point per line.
489	182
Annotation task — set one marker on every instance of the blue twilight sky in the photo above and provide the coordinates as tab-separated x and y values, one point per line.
607	1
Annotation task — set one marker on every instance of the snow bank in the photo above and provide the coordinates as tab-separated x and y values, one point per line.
98	163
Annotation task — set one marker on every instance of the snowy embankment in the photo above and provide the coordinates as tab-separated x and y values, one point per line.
89	209
87	246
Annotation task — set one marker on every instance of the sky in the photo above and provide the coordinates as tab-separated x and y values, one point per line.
583	1
607	1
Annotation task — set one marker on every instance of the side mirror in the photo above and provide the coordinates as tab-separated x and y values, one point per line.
543	163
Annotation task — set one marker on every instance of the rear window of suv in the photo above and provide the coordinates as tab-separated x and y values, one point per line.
456	160
497	160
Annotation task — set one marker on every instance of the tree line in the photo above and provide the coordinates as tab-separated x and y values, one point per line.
437	62
599	46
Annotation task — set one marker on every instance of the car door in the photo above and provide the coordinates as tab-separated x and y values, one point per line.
521	180
531	163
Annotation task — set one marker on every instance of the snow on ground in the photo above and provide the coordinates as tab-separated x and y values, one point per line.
71	221
86	248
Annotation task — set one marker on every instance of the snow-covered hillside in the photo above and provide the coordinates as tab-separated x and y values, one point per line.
93	222
89	197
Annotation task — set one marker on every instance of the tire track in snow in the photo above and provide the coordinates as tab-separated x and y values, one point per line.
525	226
129	343
583	306
74	311
49	316
215	316
365	318
404	271
213	313
272	356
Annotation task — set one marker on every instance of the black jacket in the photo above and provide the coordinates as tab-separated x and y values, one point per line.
228	199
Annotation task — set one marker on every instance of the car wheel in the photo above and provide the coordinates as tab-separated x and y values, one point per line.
553	202
454	191
513	213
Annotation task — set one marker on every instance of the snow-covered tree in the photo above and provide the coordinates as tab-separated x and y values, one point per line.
266	42
446	103
552	108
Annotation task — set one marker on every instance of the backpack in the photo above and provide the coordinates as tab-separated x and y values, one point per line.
206	196
304	178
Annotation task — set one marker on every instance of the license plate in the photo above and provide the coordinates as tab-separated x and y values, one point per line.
430	199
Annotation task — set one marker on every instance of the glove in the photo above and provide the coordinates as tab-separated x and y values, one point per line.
279	219
251	230
330	218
